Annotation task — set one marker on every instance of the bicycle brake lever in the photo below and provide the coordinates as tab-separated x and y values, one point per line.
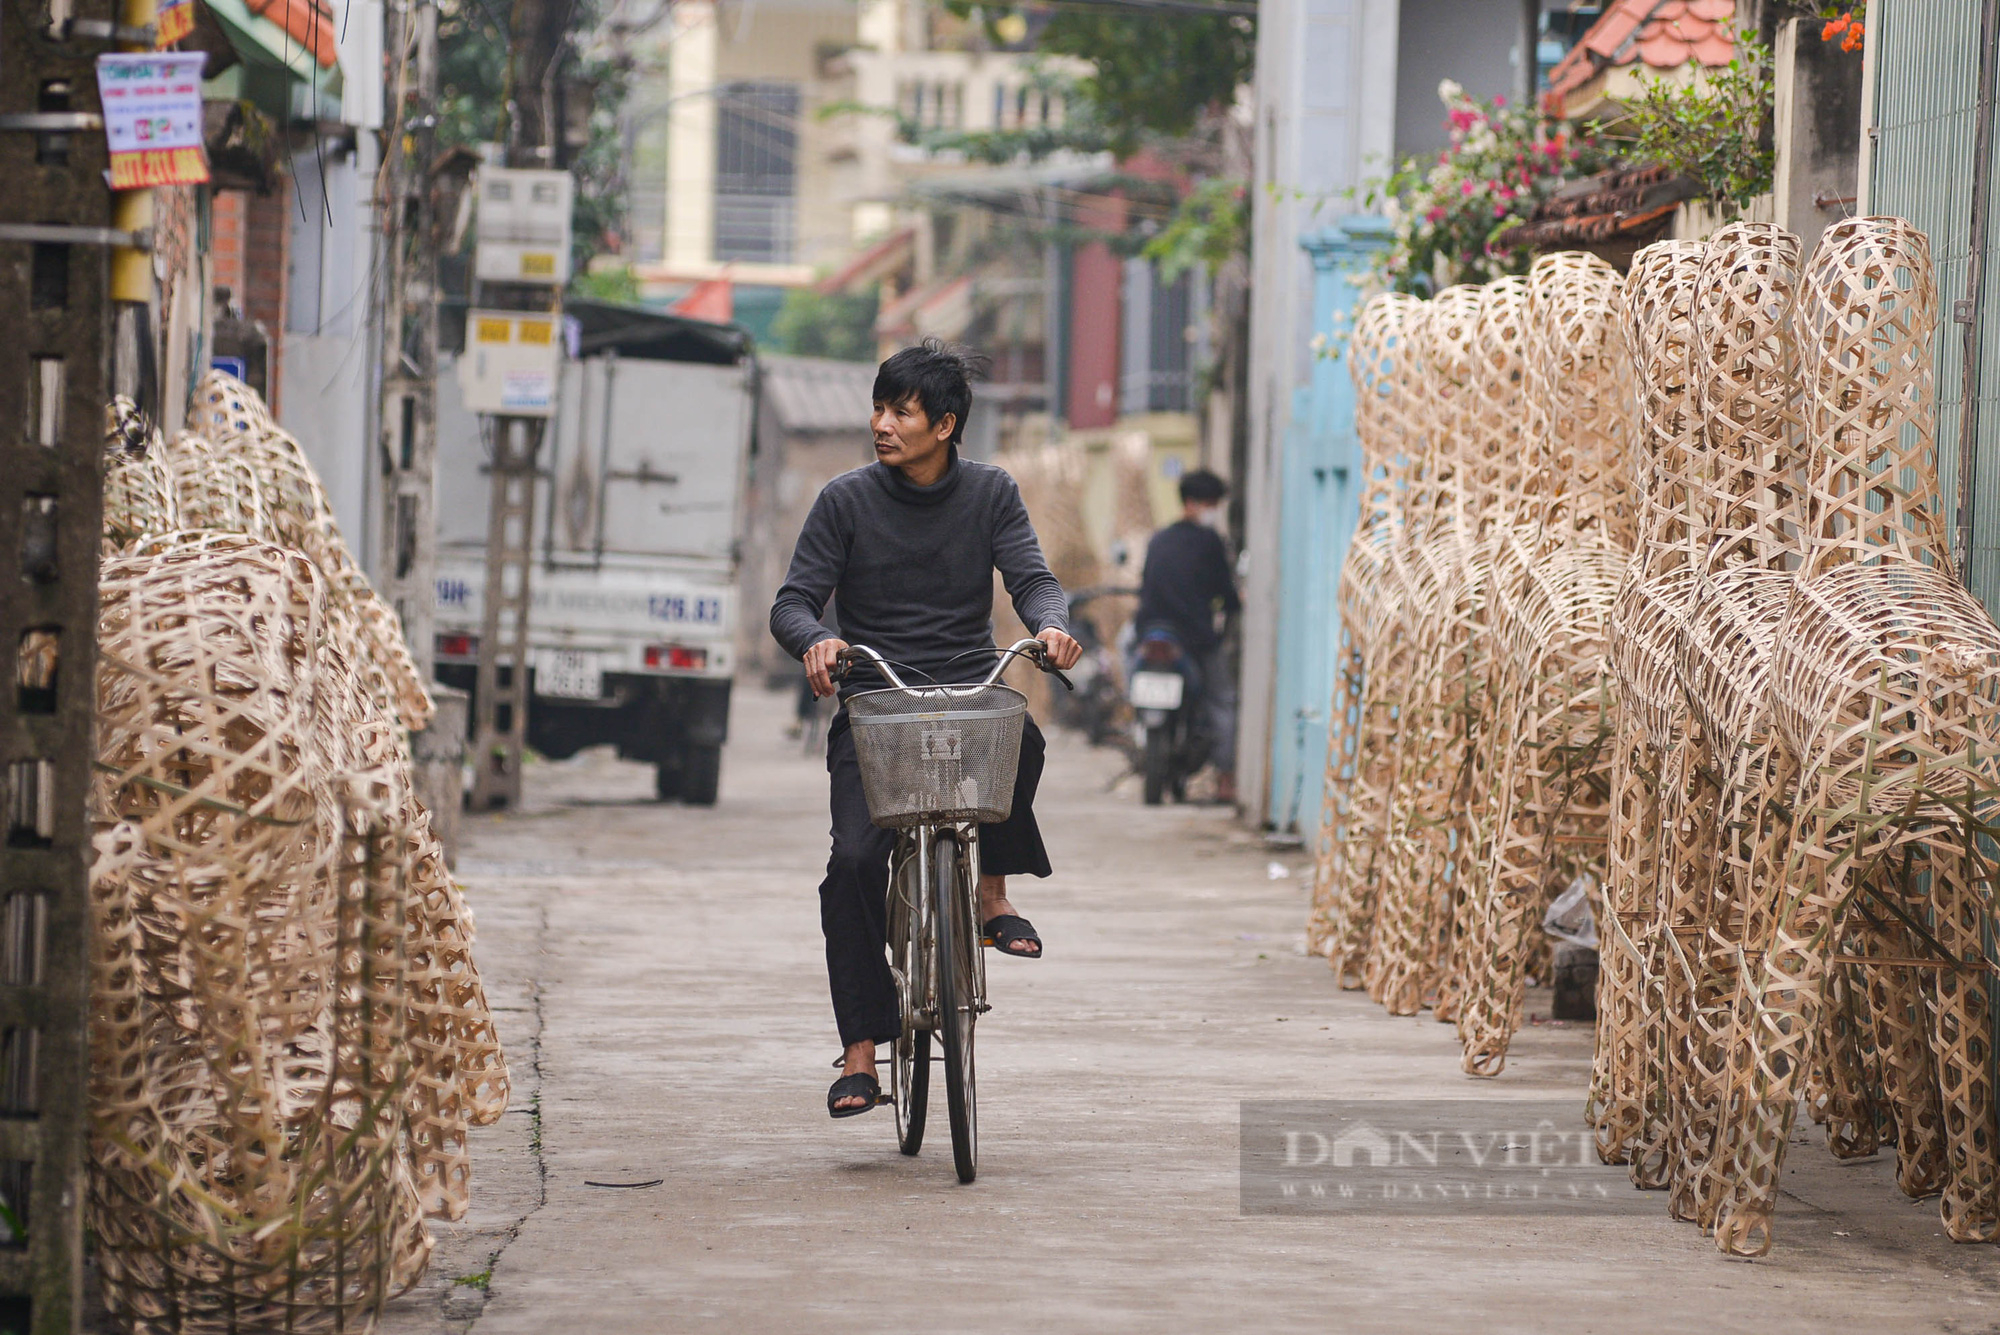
1059	675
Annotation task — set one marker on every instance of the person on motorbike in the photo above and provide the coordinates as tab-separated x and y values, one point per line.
1188	587
909	544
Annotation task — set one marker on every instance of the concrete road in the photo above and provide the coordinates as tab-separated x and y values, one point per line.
659	975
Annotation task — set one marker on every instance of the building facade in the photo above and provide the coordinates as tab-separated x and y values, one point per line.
1344	89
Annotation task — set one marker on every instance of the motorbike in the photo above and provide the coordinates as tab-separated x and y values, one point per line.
1164	688
1096	707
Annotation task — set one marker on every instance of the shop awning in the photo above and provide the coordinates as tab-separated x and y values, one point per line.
289	66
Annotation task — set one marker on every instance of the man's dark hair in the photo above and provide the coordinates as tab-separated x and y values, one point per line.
936	374
1203	486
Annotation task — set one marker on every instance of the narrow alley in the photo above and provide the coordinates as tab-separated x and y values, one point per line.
658	979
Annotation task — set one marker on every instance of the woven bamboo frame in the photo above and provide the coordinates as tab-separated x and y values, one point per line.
1885	691
1745	496
1554	588
294	1038
1441	593
1508	480
1382	359
1644	628
1743	682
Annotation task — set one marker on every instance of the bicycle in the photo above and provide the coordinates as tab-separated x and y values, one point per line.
936	763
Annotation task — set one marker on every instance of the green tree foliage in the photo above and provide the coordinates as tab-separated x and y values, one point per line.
1154	73
614	282
840	326
1152	78
1207	227
472	108
1711	130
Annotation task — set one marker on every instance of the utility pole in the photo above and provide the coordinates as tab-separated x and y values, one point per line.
408	556
534	141
57	232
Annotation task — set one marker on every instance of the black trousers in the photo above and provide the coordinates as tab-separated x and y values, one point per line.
854	897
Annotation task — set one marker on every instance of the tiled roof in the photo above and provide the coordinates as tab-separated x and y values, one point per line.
1634	204
885	257
817	394
1661	34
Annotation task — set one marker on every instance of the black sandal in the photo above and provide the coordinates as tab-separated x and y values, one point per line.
860	1085
1004	929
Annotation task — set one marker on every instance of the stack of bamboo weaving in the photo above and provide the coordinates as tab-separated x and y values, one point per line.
290	1038
1703	651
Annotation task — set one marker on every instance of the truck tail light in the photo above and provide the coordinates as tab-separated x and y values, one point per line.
458	646
676	656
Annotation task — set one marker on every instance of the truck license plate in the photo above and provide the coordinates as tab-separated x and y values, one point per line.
1156	690
575	674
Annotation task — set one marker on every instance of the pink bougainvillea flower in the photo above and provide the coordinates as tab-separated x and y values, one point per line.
1434	216
1499	210
1465	188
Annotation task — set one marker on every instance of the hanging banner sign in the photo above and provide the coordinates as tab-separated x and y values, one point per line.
174	21
152	118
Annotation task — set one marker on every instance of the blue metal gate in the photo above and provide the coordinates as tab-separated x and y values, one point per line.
1321	506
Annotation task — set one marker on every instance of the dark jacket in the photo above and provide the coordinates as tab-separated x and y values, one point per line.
912	567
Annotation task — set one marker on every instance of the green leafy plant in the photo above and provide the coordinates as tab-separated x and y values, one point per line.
1208	226
607	282
840	326
1150	74
1454	217
1710	130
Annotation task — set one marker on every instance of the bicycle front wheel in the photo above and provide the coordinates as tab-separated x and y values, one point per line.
910	1068
957	938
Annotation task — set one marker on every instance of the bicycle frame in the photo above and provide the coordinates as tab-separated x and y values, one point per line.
910	872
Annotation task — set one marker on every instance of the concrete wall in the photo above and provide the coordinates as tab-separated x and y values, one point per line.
1475	42
1326	100
1816	130
328	376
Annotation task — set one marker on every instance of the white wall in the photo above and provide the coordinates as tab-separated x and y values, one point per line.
329	372
1326	114
1475	42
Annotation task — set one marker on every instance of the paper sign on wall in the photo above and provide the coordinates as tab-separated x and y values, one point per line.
152	118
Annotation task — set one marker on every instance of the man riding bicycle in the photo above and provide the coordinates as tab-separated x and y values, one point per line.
909	545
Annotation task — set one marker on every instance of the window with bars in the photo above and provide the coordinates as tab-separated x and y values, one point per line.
756	171
1158	370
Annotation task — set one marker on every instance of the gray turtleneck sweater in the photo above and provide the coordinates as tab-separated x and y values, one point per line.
911	568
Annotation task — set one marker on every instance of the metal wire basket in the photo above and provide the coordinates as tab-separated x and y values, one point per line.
935	754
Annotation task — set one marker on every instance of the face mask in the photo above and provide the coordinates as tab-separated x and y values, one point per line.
1210	515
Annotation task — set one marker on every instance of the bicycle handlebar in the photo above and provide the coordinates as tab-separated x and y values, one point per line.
1031	649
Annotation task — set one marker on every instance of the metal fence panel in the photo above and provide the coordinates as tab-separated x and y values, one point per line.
1927	71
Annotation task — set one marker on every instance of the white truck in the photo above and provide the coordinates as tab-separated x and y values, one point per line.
638	517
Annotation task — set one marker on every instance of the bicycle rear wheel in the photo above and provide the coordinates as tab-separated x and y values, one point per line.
951	919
